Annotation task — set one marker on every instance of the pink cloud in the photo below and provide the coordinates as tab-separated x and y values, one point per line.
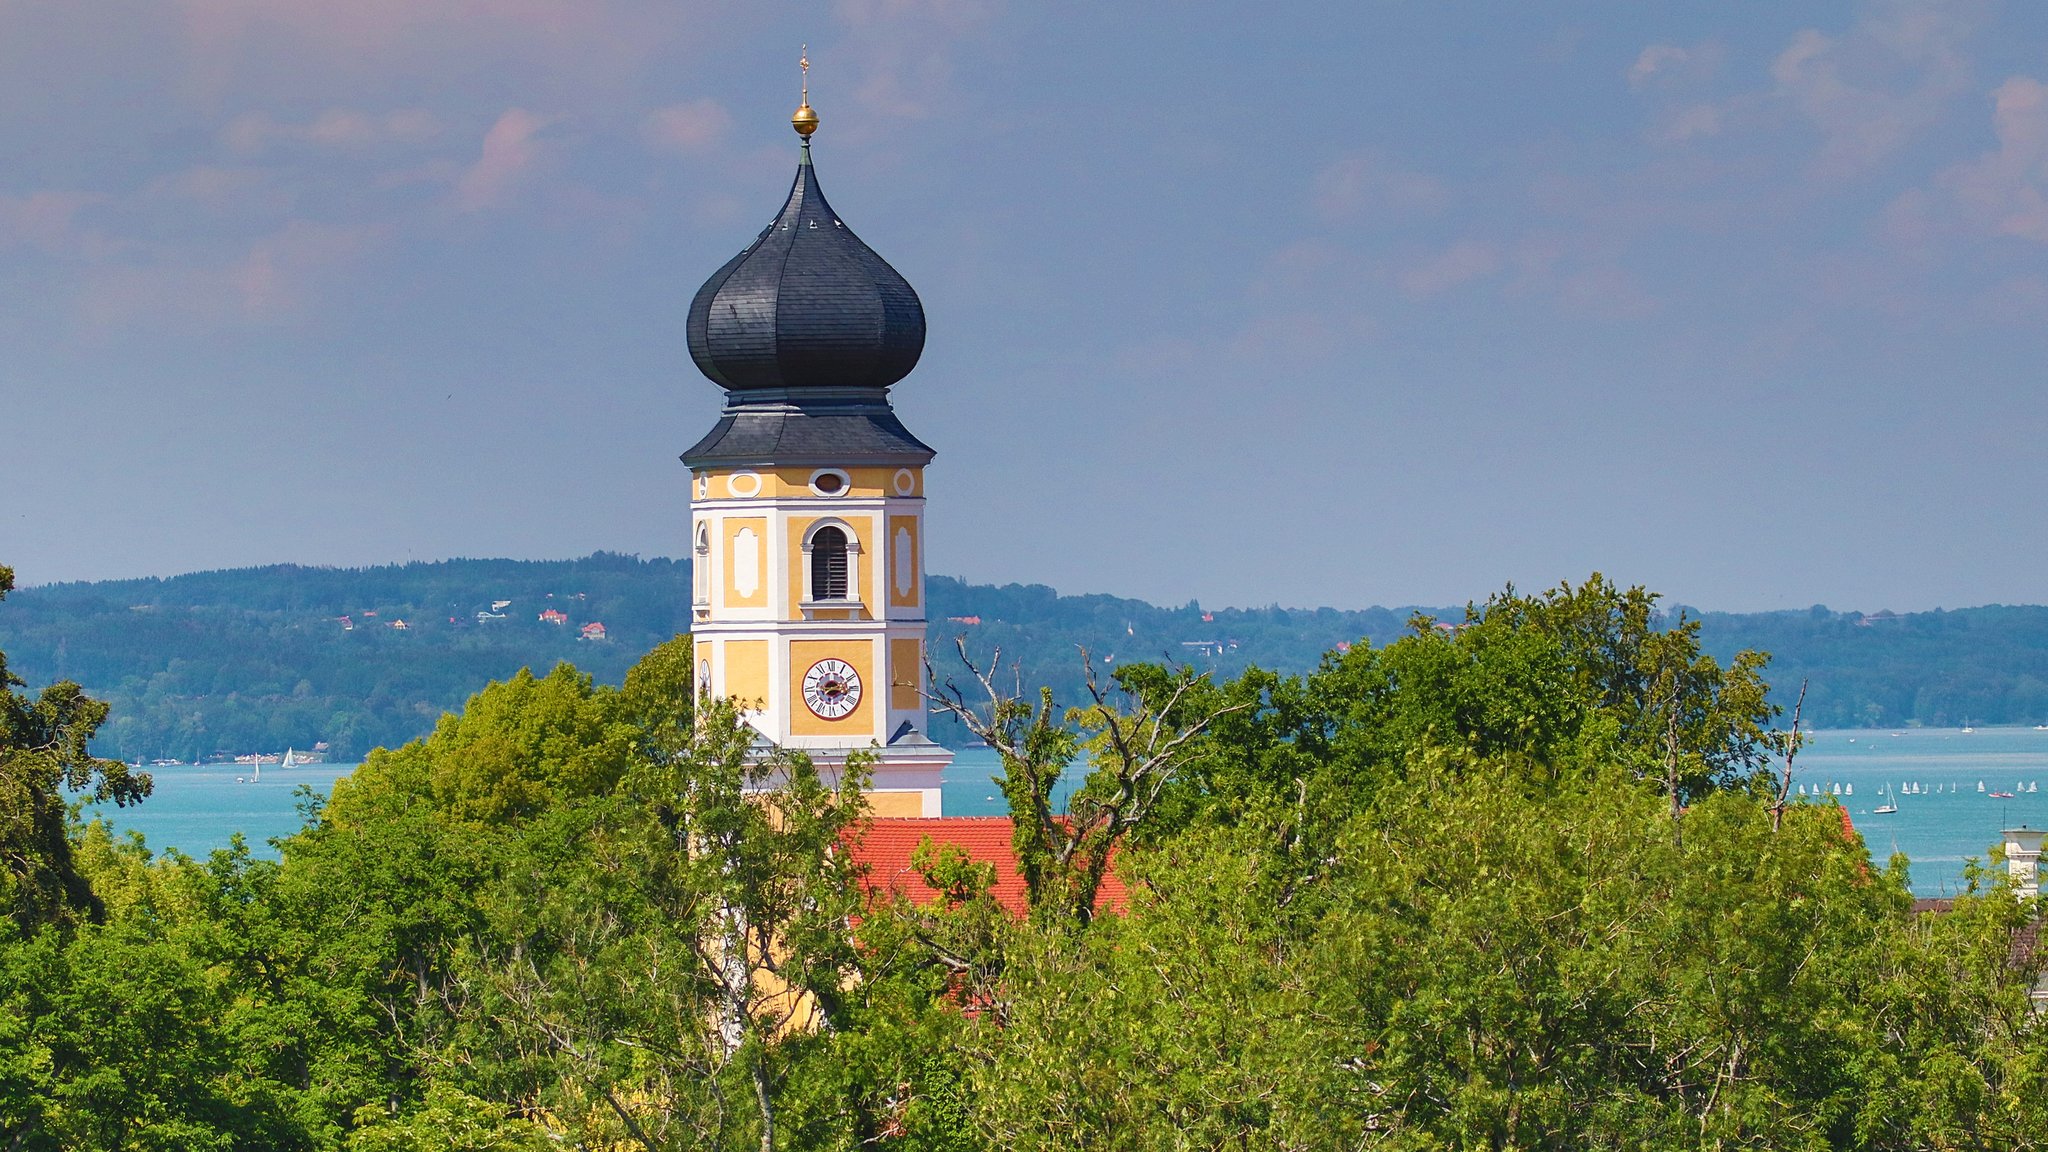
1692	120
345	128
1364	185
370	26
510	150
2001	192
46	221
1656	59
897	59
279	268
1874	89
1461	263
686	127
277	278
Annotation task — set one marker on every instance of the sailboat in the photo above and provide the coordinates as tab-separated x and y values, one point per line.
1848	789
1888	807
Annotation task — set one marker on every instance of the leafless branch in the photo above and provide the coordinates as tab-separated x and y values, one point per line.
1790	749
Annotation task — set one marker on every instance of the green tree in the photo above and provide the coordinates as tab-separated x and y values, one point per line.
44	742
695	943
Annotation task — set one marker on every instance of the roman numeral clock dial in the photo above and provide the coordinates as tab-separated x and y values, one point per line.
832	689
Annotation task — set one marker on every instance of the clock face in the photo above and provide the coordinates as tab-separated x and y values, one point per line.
832	689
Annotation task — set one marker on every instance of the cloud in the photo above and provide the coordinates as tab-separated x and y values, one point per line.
277	277
686	127
903	54
2001	192
278	269
1874	89
342	128
1461	263
588	36
46	221
1655	59
1364	184
510	150
1580	273
1690	121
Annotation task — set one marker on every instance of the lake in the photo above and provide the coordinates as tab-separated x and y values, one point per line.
196	809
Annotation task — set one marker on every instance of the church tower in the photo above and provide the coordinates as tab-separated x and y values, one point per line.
807	498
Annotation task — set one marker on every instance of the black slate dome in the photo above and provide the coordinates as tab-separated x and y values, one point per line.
806	306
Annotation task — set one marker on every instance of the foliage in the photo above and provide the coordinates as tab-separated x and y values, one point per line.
44	751
1503	965
1429	894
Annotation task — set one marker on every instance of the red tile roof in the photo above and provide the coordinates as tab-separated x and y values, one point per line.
886	844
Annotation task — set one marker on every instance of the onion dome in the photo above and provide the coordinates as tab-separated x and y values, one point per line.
807	305
806	330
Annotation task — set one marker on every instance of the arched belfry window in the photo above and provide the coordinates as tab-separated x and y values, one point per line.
828	565
831	563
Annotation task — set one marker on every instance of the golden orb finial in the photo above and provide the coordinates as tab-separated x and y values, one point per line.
804	120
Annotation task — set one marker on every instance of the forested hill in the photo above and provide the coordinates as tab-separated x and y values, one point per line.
262	659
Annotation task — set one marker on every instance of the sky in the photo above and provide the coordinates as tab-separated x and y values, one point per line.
1310	304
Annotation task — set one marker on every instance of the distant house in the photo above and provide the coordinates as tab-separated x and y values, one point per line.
500	605
486	614
1208	617
347	625
594	631
551	616
964	619
369	615
399	625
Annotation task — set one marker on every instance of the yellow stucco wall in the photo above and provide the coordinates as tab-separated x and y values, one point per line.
895	804
746	671
860	654
778	482
906	674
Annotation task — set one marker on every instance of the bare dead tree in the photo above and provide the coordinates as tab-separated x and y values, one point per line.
1138	747
1788	747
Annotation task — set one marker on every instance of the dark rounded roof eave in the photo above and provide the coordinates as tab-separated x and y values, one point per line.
778	437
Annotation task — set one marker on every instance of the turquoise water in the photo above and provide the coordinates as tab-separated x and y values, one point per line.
196	809
1937	830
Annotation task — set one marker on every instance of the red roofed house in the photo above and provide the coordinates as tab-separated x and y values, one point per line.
551	616
886	844
593	631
